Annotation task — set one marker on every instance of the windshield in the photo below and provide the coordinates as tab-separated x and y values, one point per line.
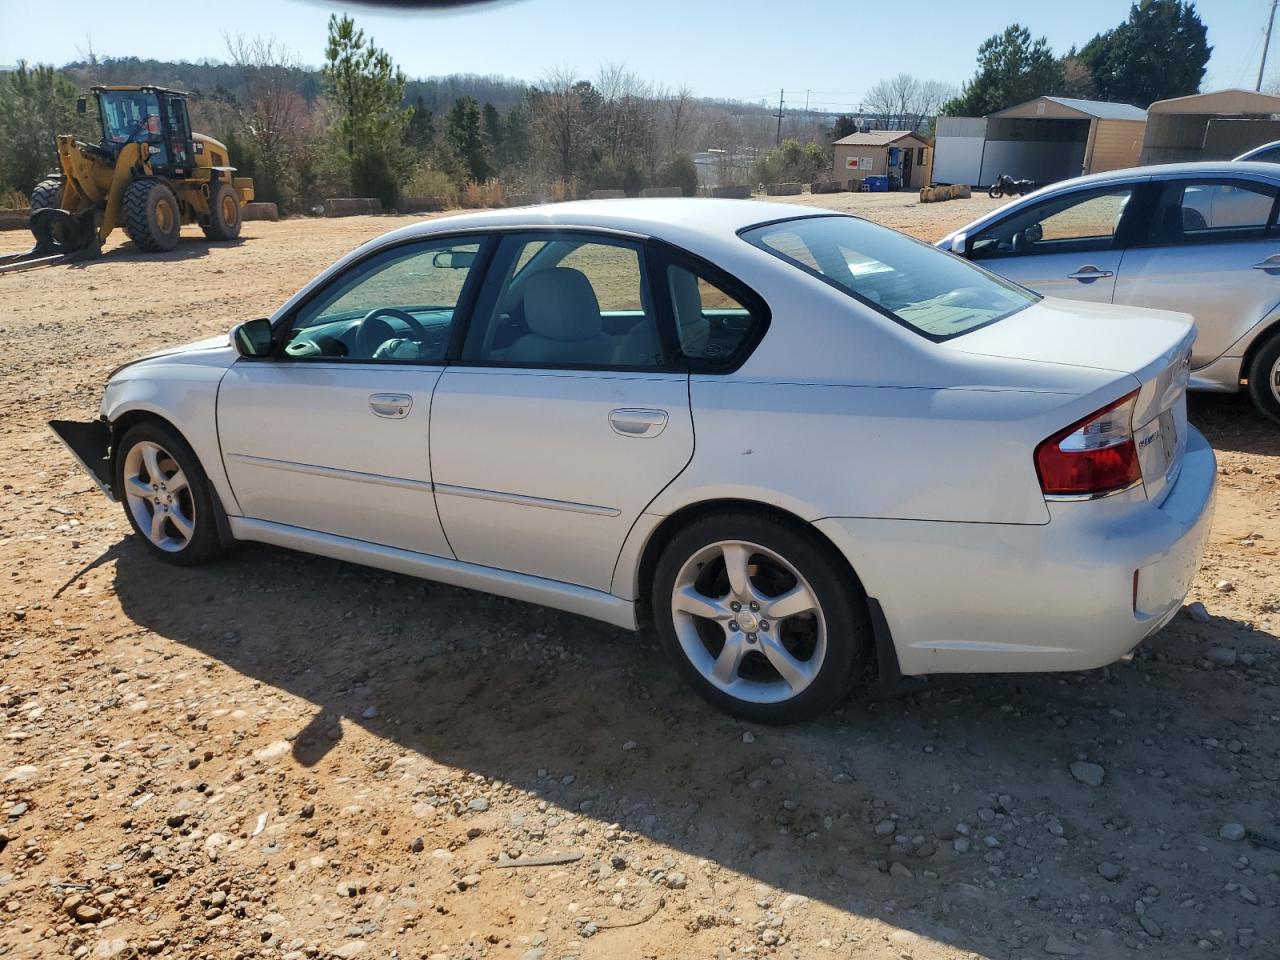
924	289
130	115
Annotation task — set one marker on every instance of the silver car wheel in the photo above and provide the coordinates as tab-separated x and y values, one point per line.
159	496
1275	379
749	622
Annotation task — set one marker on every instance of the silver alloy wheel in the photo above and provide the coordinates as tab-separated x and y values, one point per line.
749	622
1275	379
159	496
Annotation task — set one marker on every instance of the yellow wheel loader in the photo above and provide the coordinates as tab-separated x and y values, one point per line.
149	174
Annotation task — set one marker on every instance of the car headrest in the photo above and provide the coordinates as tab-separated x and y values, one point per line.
687	299
559	304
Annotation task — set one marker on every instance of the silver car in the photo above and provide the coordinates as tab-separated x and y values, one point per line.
802	447
1195	237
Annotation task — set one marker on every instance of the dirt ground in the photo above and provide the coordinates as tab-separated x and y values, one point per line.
281	756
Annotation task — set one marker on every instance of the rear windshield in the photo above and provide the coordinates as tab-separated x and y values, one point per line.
926	290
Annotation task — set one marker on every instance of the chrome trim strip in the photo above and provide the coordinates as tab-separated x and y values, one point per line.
332	473
568	506
1081	497
518	586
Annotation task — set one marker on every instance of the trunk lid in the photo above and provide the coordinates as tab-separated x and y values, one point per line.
1151	346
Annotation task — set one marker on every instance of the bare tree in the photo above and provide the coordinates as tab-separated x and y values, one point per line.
274	117
906	103
558	121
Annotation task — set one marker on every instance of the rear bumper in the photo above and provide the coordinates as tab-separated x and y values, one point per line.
90	444
996	598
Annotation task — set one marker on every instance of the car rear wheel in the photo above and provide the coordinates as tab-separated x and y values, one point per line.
760	617
167	495
1264	377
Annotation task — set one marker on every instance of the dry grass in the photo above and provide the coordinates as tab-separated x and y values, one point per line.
14	200
486	194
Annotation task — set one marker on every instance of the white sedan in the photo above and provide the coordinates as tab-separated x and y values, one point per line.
804	448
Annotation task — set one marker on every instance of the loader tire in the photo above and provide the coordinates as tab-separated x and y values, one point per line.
224	214
152	217
46	195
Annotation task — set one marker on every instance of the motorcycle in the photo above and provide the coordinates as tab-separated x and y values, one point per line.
1007	186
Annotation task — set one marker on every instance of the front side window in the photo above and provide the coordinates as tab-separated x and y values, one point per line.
398	305
1199	212
567	300
1073	223
926	290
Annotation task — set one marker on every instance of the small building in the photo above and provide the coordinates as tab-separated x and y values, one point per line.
1209	126
902	156
1045	139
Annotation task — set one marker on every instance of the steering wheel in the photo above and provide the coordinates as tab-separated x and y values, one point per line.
374	331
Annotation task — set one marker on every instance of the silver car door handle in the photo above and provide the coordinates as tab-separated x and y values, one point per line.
1090	273
1271	263
630	422
395	406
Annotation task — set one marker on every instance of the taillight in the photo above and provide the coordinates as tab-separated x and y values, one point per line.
1092	457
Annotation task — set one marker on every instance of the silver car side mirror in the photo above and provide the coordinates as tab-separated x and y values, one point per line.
252	338
959	242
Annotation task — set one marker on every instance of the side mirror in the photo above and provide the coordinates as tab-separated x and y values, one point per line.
959	242
252	338
453	259
82	105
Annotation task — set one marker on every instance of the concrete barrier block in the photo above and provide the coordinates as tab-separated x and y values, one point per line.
783	189
740	192
825	186
259	211
14	219
963	191
607	195
421	204
661	192
351	206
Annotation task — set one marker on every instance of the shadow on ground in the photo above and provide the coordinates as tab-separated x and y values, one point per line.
508	690
1230	421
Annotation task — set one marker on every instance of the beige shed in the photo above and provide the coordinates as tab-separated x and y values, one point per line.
900	155
1209	126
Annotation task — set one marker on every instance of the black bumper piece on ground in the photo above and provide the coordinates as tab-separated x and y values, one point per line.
90	444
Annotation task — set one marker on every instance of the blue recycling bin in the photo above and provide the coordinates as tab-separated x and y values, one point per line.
877	184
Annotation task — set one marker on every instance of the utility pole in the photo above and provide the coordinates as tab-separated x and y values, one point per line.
777	140
1271	19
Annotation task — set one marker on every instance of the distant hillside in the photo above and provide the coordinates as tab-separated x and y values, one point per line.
213	78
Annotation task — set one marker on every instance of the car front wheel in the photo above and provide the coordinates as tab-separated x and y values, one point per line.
166	495
760	617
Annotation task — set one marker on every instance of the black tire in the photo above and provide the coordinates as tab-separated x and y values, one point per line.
1264	377
152	216
224	214
995	193
196	500
840	598
47	195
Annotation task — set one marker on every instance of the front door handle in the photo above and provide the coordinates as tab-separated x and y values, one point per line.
394	406
632	422
1271	263
1088	273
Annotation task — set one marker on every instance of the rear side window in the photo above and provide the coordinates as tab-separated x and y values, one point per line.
928	291
715	327
1207	211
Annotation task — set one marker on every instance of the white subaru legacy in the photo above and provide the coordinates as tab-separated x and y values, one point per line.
803	448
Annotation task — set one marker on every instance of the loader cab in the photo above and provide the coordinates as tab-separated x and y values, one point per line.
151	115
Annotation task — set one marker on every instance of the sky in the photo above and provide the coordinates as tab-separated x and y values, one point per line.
825	52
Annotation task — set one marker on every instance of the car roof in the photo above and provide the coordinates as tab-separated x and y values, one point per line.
1212	168
649	216
1258	149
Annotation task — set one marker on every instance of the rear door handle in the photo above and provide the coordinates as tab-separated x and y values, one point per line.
633	422
394	406
1271	263
1090	272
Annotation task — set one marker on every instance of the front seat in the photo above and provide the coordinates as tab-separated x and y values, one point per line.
563	316
638	347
